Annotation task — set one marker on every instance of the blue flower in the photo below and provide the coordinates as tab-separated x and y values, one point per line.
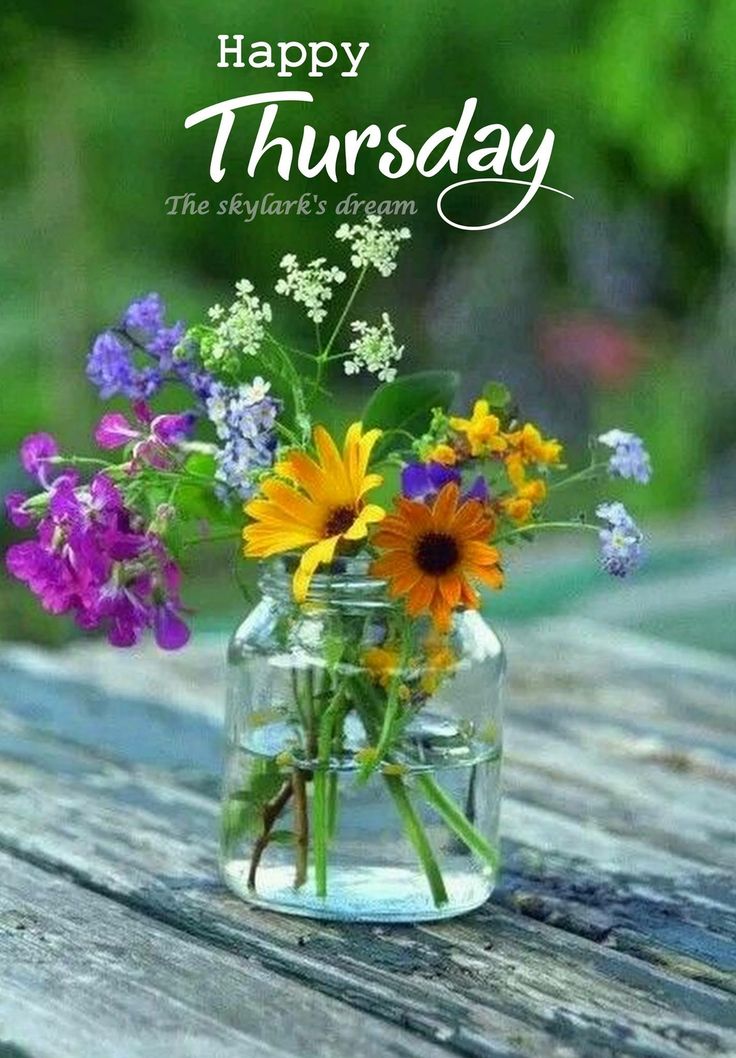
421	481
247	430
621	540
110	365
163	343
117	361
630	458
144	314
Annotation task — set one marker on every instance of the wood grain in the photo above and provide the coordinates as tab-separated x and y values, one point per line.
83	975
613	931
493	983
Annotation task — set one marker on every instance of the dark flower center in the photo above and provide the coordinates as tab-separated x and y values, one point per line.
436	553
340	520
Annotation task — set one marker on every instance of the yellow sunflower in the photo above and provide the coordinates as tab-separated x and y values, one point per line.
323	506
432	554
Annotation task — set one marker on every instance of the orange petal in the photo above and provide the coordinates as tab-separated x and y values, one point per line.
445	505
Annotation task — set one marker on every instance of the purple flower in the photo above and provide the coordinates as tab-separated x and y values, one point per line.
171	429
110	366
114	431
478	490
170	631
630	459
421	481
35	450
134	358
92	558
18	517
621	540
144	314
163	343
162	432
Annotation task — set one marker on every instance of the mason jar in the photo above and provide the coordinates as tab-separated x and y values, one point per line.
363	753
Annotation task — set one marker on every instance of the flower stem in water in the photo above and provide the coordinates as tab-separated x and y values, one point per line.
457	821
416	834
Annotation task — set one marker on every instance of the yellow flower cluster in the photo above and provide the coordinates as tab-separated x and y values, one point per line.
436	663
518	449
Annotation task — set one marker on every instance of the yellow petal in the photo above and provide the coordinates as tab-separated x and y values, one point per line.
293	505
331	461
370	513
314	556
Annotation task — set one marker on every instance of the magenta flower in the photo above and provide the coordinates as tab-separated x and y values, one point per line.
114	431
152	445
35	451
18	517
94	559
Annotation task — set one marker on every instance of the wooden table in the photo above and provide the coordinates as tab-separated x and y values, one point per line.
613	931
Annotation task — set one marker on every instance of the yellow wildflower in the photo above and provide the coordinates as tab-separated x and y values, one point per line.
529	444
382	663
440	662
324	508
444	454
529	493
482	430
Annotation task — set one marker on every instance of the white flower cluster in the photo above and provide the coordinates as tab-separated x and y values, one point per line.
309	286
239	329
372	244
374	349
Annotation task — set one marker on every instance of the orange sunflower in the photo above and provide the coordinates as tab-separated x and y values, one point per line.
432	554
322	506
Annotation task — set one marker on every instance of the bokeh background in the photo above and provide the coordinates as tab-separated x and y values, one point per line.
616	309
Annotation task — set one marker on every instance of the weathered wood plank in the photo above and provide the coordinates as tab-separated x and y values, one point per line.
84	976
611	836
490	984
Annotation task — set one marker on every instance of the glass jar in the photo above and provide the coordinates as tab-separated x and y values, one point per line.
363	754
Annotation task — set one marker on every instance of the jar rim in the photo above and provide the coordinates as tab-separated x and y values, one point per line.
346	579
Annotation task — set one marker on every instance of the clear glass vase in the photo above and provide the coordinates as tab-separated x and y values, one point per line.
363	754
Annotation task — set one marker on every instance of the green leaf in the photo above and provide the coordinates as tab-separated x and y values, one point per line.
406	405
498	395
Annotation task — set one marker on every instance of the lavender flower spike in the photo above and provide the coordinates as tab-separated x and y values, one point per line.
630	458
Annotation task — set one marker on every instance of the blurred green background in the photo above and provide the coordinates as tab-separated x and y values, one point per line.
616	309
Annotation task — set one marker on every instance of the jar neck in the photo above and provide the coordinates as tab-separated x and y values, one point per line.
346	582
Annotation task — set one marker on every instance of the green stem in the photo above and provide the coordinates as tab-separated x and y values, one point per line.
457	821
417	836
535	527
214	538
589	474
320	797
338	326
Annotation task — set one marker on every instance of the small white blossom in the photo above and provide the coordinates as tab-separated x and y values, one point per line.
241	329
309	286
256	391
374	349
372	245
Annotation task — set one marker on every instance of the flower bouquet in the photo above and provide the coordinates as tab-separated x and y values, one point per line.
363	724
